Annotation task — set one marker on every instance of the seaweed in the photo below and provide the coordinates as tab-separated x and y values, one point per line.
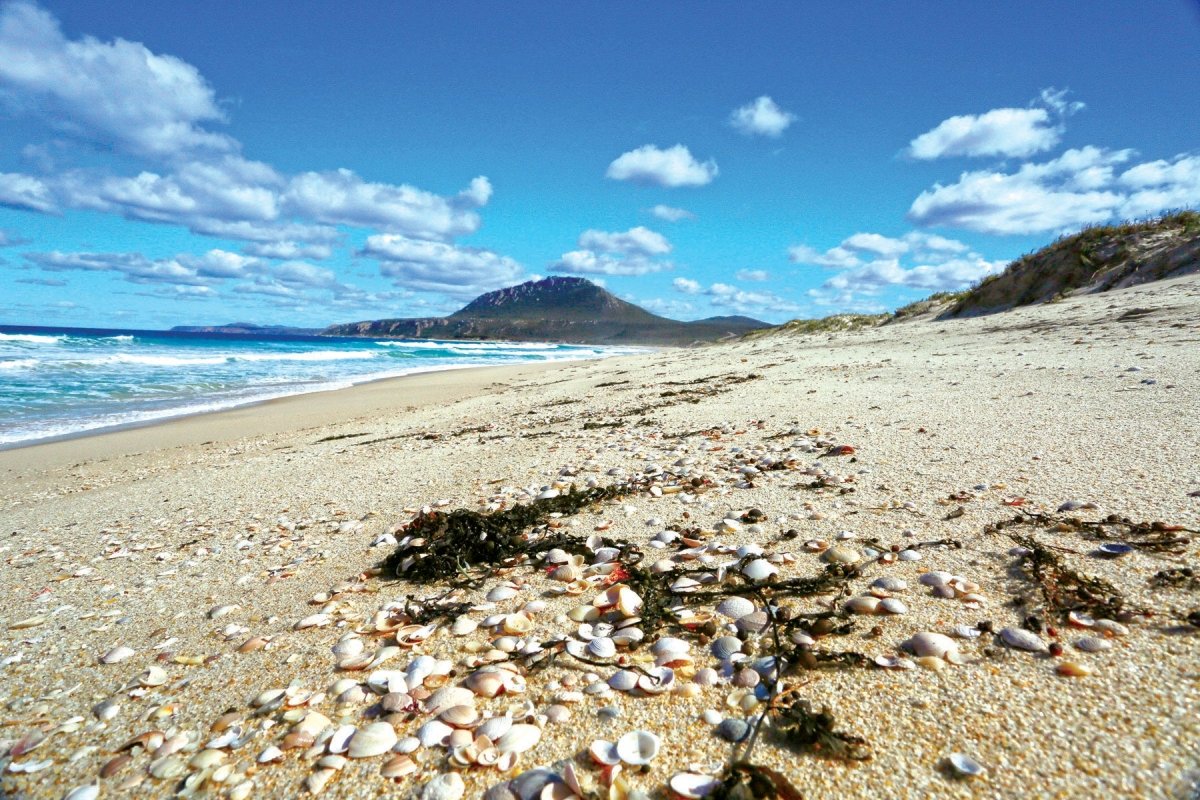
1063	589
745	781
803	728
452	545
339	436
1177	577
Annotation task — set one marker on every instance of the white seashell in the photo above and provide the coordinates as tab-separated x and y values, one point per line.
604	752
340	740
448	786
116	655
348	646
966	632
520	737
669	645
735	607
759	570
495	727
890	584
153	676
909	555
840	554
931	644
1023	640
891	605
373	740
602	647
449	696
624	680
935	578
657	681
725	647
89	792
504	591
1092	644
894	662
691	785
1111	627
964	765
312	621
638	747
271	753
863	604
434	732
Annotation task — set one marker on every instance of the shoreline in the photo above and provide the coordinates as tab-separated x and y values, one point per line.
291	412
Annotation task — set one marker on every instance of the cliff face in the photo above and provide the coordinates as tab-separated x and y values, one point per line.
558	309
1094	260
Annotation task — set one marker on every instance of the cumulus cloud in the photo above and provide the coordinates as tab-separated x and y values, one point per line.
158	112
761	117
639	240
588	262
10	239
671	214
118	92
1074	189
26	191
956	273
133	267
427	265
672	167
1163	184
739	301
1016	132
860	247
754	275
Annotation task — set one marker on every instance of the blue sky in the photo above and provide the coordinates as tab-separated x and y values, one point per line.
310	163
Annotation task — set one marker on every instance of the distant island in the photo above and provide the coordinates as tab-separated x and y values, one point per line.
557	309
247	328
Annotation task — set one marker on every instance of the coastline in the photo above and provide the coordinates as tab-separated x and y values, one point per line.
275	415
201	545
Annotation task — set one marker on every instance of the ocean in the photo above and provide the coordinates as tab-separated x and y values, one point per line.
57	382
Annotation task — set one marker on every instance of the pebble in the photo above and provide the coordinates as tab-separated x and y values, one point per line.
733	729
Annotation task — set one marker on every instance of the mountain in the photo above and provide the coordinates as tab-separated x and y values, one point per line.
247	328
1096	259
558	309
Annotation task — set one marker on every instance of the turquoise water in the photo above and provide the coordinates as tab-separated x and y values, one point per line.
60	382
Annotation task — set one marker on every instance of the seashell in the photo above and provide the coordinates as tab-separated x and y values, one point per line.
891	605
657	680
314	724
312	621
935	579
735	607
167	767
519	738
1111	627
460	716
759	570
463	625
908	555
893	662
505	591
434	733
863	604
207	758
241	791
926	644
253	643
339	742
964	766
602	647
449	696
691	785
725	647
517	623
623	680
1080	620
753	623
495	727
216	612
89	792
347	646
316	781
745	678
1073	669
398	766
890	584
115	765
638	747
966	632
604	752
1092	644
840	554
1114	550
271	753
669	645
373	740
117	654
447	786
153	676
28	622
1023	640
706	677
105	710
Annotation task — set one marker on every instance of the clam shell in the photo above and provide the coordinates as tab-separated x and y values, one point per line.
735	607
520	737
602	647
624	680
116	655
935	578
759	569
691	785
604	752
1023	640
840	554
863	604
726	646
502	592
891	605
1092	644
495	727
890	584
965	766
638	747
448	786
927	644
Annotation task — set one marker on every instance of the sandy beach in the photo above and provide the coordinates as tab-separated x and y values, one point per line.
186	540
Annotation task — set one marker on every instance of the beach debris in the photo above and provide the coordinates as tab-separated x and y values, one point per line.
963	766
1023	640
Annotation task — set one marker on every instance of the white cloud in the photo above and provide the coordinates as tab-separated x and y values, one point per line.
1017	132
1055	195
949	275
672	167
26	191
440	267
343	198
671	214
740	301
287	250
875	243
637	240
588	262
117	92
754	275
1160	185
835	257
133	267
761	117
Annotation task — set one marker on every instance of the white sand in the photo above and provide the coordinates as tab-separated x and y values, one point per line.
160	524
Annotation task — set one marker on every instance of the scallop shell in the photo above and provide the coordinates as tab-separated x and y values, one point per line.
735	607
504	591
725	647
638	747
1023	640
602	647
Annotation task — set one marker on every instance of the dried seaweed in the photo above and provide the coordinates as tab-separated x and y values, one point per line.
745	781
1063	589
1178	578
456	543
803	728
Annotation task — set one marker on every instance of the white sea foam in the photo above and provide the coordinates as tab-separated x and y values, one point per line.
19	363
30	338
222	358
